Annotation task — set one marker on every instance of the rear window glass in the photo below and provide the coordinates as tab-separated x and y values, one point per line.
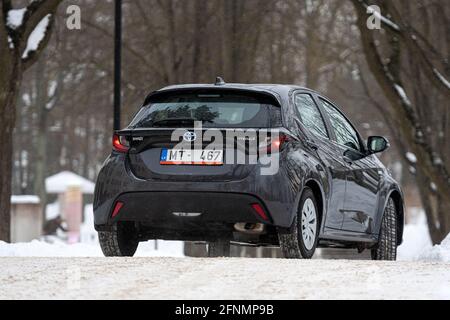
214	110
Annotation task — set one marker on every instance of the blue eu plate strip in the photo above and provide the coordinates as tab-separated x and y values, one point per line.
164	155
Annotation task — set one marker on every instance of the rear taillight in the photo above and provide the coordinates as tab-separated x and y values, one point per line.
120	143
274	144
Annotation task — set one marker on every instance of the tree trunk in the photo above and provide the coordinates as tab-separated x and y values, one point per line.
12	65
41	145
437	208
5	173
312	54
230	45
200	11
8	96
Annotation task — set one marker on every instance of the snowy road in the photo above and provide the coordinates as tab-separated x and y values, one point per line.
187	278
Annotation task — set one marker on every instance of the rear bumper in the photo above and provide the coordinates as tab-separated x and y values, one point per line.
169	207
220	203
188	212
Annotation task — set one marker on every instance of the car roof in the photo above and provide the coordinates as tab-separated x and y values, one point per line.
279	91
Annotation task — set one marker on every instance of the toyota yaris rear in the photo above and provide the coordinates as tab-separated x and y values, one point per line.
218	164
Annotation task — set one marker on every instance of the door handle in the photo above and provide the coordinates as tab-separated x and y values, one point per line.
312	145
347	160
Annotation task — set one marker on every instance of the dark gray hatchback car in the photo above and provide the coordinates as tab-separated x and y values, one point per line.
263	165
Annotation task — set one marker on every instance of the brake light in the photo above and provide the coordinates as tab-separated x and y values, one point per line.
274	145
120	144
260	211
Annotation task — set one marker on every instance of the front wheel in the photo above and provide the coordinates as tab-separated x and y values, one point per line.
120	241
387	242
219	248
301	239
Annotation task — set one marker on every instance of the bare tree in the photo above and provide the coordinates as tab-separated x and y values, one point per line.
412	73
24	33
311	43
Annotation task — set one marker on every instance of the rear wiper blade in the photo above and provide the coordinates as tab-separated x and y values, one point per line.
178	121
173	121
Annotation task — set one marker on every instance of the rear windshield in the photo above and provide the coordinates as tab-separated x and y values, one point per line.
214	110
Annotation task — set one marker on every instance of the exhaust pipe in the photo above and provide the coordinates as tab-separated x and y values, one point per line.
250	228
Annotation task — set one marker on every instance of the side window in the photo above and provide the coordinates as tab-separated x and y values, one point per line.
310	115
345	133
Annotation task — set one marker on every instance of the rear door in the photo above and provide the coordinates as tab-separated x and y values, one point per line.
169	123
336	169
362	179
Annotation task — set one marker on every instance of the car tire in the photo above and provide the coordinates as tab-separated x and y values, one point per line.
120	241
386	248
300	241
219	248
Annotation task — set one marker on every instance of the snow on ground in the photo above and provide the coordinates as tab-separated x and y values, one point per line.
416	245
221	278
40	270
60	249
54	246
416	239
437	253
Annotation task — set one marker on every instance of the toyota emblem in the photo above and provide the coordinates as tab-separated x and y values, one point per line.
190	136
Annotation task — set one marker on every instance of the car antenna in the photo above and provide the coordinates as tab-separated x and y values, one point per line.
219	81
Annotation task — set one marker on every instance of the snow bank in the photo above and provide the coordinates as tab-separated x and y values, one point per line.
59	249
42	249
437	253
417	245
416	240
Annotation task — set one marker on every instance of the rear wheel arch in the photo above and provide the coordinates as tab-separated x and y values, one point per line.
318	195
301	239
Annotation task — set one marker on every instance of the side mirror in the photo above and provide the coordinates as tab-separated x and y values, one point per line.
377	144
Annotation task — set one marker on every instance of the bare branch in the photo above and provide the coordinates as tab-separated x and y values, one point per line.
409	38
411	129
126	46
33	56
36	11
